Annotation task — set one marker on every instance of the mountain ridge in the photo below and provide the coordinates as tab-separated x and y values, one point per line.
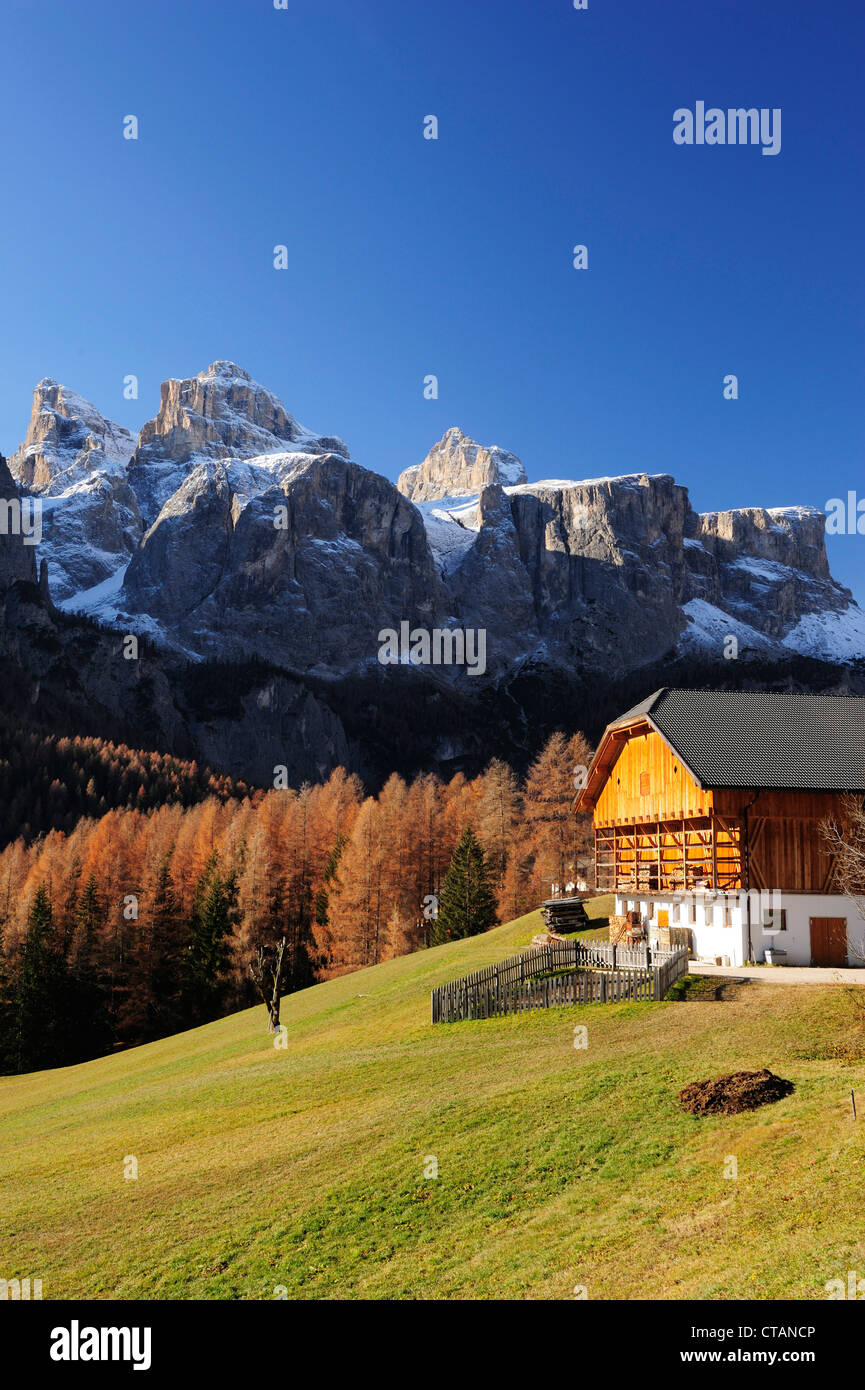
293	561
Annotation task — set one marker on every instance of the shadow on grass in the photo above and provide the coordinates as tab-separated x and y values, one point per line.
702	989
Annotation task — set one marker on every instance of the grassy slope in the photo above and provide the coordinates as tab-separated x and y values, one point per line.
557	1166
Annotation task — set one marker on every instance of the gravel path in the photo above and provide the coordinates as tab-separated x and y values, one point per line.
784	974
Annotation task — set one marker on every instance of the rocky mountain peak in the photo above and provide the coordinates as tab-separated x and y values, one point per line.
67	441
458	466
227	369
220	413
229	506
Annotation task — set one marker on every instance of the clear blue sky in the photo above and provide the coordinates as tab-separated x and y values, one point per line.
452	257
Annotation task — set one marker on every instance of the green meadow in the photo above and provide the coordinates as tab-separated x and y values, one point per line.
305	1171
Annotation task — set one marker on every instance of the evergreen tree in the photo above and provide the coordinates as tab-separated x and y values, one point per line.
41	1035
208	951
467	904
88	920
85	1004
162	944
7	1014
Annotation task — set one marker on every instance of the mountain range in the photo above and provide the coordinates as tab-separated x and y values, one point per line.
228	536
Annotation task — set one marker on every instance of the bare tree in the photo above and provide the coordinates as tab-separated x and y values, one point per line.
844	838
266	970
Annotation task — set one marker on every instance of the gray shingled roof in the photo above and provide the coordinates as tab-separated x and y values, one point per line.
744	738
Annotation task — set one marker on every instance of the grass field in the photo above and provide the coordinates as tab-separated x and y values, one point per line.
303	1169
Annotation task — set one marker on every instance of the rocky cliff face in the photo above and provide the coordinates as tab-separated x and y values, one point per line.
298	559
75	461
221	413
67	441
458	467
233	533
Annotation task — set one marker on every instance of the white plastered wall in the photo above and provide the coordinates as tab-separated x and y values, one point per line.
719	923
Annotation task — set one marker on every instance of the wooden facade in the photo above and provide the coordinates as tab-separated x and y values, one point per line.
657	830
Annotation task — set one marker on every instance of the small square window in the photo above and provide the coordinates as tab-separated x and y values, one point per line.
775	921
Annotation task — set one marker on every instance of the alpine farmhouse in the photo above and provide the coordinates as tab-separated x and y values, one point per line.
707	806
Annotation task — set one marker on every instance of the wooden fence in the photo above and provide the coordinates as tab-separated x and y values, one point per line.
569	972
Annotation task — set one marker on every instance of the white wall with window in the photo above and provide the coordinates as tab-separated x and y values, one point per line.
737	927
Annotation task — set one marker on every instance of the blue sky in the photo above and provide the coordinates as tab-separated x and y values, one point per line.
452	257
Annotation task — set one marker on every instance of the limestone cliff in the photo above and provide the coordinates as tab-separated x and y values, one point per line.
458	467
220	413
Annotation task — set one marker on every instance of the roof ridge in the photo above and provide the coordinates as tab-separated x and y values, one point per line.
717	690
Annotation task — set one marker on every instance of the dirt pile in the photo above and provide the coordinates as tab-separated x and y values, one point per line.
730	1095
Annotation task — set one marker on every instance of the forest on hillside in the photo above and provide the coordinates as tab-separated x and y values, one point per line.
48	781
143	921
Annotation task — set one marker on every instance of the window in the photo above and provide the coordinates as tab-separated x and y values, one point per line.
775	921
645	784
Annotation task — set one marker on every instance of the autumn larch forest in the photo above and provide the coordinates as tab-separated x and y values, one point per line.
142	887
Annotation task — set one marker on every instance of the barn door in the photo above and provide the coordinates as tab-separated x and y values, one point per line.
828	940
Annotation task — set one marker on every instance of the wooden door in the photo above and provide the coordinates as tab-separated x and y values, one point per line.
828	940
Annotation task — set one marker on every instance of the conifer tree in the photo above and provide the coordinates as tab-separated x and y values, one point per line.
557	840
84	1006
88	921
162	945
330	868
41	1036
7	1013
467	904
208	951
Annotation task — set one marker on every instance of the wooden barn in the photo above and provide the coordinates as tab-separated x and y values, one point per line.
706	807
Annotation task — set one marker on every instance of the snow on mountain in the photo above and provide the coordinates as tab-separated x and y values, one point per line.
564	484
220	413
830	636
67	441
175	537
708	629
459	467
452	527
76	461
